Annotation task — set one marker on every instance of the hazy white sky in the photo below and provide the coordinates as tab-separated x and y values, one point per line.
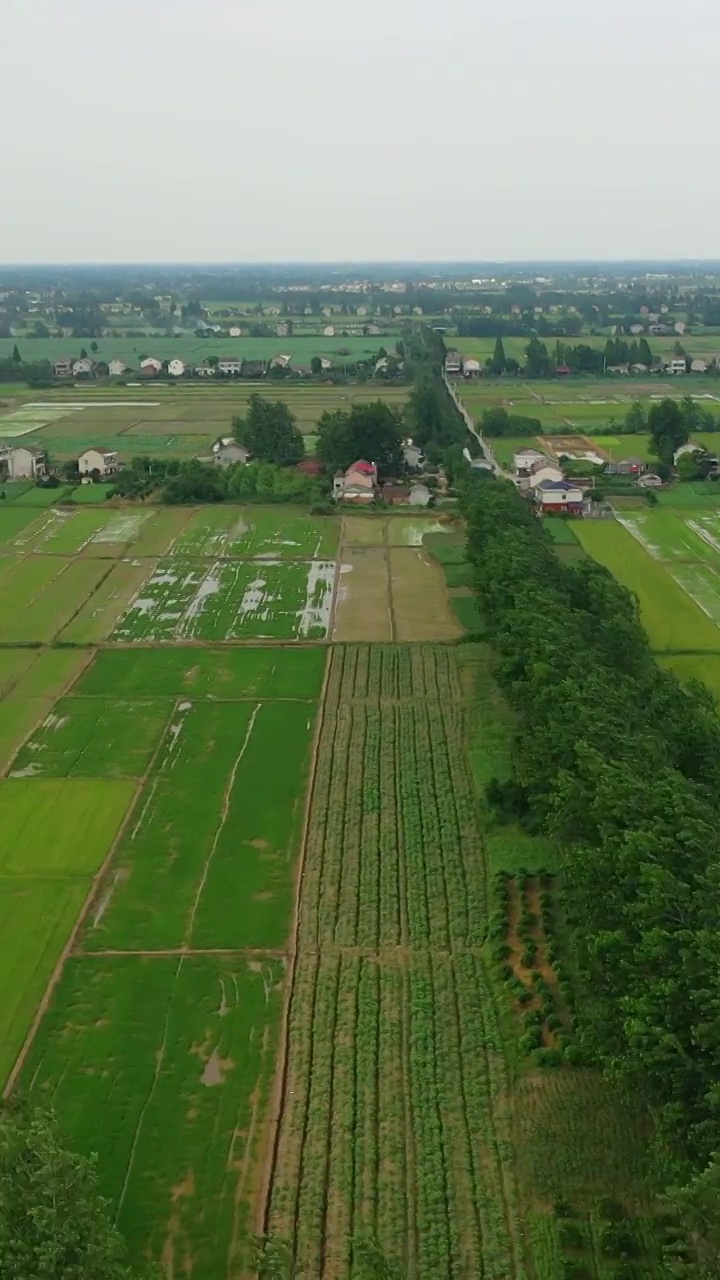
275	130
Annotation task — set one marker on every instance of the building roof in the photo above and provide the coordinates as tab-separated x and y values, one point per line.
553	486
367	468
106	453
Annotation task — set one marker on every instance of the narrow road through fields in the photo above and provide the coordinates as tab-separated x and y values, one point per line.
487	451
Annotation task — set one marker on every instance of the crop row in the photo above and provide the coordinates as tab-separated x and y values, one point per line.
394	854
397	671
390	1125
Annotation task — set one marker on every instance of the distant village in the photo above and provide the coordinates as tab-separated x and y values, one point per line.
149	367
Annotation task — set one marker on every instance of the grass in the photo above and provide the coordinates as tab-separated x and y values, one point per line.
671	618
201	863
13	662
206	673
93	738
12	521
704	667
163	1068
227	600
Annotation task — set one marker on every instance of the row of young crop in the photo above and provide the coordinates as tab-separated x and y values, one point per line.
396	671
390	1129
394	853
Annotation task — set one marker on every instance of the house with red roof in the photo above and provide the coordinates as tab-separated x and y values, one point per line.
358	484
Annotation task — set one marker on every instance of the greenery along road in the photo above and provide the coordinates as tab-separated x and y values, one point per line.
635	809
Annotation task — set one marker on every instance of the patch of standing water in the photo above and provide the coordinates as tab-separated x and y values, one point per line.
412	533
318	599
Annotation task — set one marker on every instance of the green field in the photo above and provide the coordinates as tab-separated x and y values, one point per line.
219	674
163	1067
674	601
93	738
228	600
40	594
257	532
201	865
180	421
55	836
31	682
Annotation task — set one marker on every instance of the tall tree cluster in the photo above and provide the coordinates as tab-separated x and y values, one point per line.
621	766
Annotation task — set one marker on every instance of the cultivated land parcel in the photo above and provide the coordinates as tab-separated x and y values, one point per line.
253	857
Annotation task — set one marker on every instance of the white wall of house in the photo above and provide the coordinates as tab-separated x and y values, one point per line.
94	460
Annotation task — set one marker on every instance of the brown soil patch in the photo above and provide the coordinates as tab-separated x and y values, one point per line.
363	606
571	444
215	1069
259	843
183	1190
420	601
265	895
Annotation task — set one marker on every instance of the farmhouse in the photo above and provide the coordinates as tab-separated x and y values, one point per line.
453	362
82	367
549	472
227	451
559	495
105	461
420	495
63	368
527	460
176	367
698	366
396	495
471	368
150	366
677	365
650	481
26	462
235	332
357	484
230	365
688	447
116	368
205	370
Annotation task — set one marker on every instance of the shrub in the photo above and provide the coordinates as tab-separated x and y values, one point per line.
548	1057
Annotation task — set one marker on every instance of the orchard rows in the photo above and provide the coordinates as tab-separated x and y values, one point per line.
393	1125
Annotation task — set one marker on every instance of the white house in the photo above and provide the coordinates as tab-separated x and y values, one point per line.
650	481
151	363
176	367
698	366
235	331
26	462
63	368
82	366
205	370
559	495
527	459
96	459
227	451
280	362
471	367
688	447
412	454
677	365
116	368
548	472
453	362
229	365
420	496
329	331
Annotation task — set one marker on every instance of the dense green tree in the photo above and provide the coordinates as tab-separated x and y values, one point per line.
644	353
16	354
316	365
371	431
270	431
53	1223
537	361
668	429
635	419
499	362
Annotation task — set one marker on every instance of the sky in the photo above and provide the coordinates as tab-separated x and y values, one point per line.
377	130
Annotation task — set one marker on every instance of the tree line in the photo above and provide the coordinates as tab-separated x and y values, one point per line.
620	765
